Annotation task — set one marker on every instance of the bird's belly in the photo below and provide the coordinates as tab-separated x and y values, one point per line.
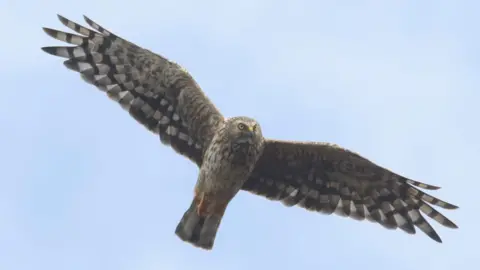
224	174
226	182
223	183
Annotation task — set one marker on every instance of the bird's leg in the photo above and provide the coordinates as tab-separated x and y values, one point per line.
201	200
210	204
202	206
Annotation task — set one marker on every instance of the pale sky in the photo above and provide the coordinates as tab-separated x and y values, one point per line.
86	187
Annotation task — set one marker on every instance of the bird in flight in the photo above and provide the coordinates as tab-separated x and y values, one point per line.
231	153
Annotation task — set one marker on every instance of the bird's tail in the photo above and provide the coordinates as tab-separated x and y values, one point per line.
197	230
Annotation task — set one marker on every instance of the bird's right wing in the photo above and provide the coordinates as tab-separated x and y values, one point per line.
158	93
327	178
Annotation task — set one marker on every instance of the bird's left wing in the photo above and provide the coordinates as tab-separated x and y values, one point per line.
158	93
329	179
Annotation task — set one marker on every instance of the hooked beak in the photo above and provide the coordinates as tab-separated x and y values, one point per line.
251	131
247	135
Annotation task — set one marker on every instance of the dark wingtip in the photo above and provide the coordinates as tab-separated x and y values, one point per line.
61	18
451	206
435	237
87	19
49	31
49	50
71	64
448	223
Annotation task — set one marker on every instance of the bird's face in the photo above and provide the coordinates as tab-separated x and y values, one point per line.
244	130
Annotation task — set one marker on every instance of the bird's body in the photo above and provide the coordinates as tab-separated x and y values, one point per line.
231	156
228	162
231	153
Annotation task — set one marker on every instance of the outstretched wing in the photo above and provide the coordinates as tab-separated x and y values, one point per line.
158	93
329	179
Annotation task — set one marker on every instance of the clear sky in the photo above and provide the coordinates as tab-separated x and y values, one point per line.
84	186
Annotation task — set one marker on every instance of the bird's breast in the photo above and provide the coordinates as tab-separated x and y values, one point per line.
242	154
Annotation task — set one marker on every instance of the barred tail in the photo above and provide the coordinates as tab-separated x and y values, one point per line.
197	230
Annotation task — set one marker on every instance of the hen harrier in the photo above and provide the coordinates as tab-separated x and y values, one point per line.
231	153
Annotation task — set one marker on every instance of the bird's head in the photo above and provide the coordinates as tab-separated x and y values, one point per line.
244	130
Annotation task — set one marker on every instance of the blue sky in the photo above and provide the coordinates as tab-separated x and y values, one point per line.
85	187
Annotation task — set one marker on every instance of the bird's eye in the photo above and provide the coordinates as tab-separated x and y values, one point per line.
241	126
254	127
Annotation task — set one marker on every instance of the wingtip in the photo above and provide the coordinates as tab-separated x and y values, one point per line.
422	185
61	18
49	50
435	237
49	31
453	226
451	206
87	19
71	64
428	187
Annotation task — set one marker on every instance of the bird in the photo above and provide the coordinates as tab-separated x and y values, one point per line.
231	153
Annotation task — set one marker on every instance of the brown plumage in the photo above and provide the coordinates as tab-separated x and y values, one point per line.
231	153
329	179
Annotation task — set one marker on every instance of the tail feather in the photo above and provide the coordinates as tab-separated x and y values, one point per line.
197	230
